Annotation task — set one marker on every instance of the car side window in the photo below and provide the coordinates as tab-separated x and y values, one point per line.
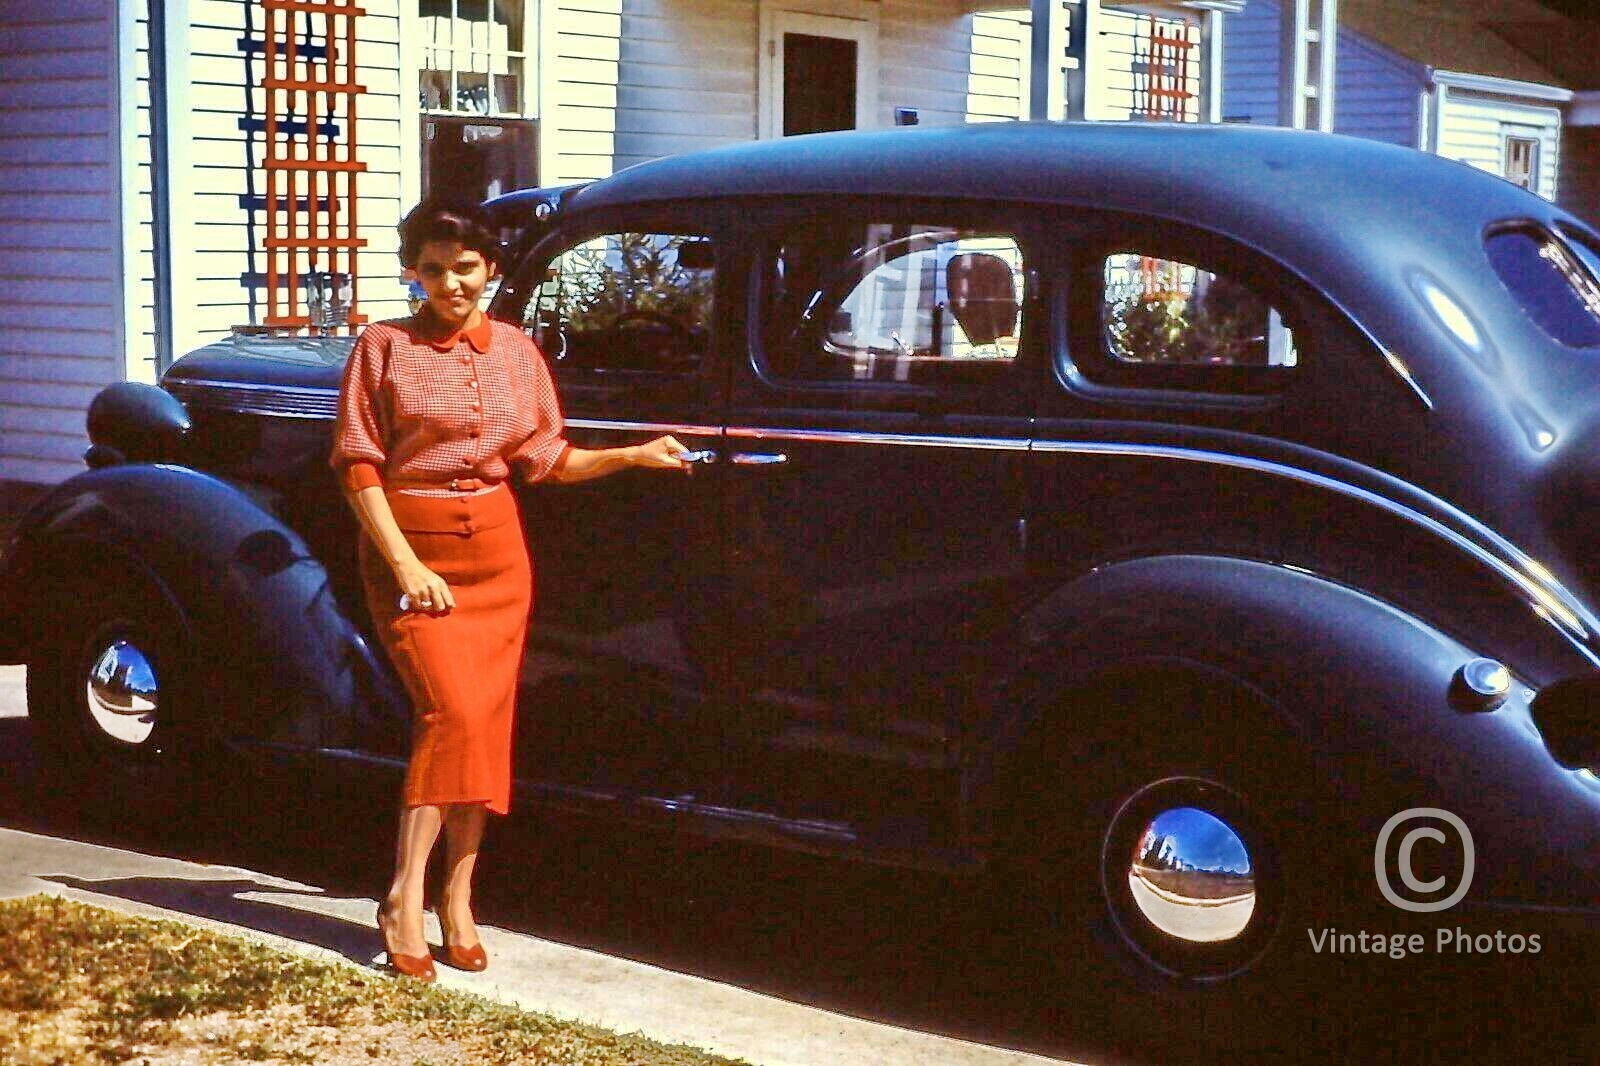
1157	310
626	302
893	303
1174	314
1552	280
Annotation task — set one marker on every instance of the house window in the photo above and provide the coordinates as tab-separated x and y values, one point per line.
1521	162
478	138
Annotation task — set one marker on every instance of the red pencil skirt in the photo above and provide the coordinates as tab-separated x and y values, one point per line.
461	667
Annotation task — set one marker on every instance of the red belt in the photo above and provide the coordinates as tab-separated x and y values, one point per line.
460	484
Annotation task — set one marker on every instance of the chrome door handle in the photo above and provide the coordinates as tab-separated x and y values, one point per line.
759	458
704	455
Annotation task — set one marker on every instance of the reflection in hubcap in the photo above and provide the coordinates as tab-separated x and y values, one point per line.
122	693
1191	876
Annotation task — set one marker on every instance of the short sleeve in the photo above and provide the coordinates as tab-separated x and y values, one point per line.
359	454
538	455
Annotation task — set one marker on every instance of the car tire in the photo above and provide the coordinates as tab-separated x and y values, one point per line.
1121	949
109	696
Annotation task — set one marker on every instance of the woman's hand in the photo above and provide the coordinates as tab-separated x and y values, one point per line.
659	454
584	464
425	589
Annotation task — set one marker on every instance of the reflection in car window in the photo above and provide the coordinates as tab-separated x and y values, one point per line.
1165	311
894	303
1550	282
626	301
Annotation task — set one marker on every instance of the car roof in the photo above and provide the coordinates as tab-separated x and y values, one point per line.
1360	219
1242	178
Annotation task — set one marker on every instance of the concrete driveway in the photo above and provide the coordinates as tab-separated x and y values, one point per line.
530	972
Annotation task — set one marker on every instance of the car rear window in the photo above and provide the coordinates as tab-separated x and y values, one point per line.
1550	280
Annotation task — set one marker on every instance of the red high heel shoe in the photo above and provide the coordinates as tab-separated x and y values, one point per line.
473	958
417	966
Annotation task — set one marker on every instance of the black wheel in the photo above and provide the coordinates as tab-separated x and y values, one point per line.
1163	843
107	696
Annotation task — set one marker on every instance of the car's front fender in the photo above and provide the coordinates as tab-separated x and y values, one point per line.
286	666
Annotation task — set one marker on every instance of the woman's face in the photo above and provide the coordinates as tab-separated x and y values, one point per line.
453	277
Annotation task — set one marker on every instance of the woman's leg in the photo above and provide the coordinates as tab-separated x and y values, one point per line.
419	829
463	827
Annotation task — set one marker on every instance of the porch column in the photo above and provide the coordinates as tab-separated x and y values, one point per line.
1059	61
1310	33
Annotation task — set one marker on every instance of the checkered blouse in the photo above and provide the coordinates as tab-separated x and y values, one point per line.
420	408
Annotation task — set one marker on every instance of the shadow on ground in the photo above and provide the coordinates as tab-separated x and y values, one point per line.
226	901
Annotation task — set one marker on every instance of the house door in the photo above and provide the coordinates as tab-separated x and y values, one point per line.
818	73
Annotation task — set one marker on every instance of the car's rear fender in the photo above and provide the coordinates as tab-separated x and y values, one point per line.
287	666
1363	689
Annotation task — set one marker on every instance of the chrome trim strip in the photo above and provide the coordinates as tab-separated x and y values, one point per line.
309	391
914	440
1399	366
1551	600
645	427
294	401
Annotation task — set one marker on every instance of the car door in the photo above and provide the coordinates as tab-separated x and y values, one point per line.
873	468
625	310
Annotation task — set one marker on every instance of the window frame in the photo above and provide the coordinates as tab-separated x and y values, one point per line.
527	276
523	63
1081	360
1004	394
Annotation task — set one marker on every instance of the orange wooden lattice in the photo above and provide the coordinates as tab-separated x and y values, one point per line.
310	157
1168	69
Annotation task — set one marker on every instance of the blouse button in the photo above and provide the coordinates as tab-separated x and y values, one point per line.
472	384
476	405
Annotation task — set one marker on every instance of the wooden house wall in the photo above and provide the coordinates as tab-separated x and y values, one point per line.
1473	127
1377	94
219	216
60	230
631	80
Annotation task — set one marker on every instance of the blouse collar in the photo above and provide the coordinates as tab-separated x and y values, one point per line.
428	328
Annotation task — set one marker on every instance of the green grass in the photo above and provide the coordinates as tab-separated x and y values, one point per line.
80	984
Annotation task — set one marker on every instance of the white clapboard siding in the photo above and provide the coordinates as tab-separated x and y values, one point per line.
997	82
1473	128
925	49
59	228
630	80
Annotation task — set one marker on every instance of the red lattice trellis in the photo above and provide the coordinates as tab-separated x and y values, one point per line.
310	158
1169	66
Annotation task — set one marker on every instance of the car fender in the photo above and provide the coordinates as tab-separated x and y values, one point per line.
288	668
1362	687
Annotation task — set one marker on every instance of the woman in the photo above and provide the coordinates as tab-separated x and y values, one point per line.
436	413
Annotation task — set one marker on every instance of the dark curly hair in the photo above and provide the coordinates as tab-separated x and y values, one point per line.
447	218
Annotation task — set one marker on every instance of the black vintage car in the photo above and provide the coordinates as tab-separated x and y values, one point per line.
1157	515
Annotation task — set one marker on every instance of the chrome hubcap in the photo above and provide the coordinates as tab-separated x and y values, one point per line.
122	696
1191	876
1189	884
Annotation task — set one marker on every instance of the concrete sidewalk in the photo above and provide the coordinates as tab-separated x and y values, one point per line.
526	971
